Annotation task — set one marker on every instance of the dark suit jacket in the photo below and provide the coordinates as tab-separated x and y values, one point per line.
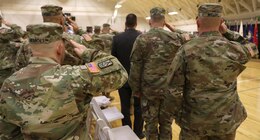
122	46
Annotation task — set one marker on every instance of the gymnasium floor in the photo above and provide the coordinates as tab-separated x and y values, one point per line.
249	92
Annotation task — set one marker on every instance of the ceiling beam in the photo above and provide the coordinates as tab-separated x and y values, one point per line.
227	5
244	15
254	4
237	6
224	10
247	6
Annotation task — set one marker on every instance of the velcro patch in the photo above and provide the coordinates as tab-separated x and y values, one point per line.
92	67
105	64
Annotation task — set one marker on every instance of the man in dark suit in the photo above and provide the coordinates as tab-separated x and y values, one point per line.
121	48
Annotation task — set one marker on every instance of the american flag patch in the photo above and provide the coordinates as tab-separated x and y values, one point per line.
92	67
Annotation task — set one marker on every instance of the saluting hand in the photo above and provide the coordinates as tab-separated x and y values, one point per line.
78	48
87	37
223	28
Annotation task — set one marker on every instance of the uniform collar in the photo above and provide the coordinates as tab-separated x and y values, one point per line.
157	28
42	60
211	33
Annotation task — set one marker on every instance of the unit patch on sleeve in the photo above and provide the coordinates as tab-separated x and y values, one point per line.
92	67
105	64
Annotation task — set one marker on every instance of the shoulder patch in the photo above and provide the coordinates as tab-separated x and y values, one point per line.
105	64
92	67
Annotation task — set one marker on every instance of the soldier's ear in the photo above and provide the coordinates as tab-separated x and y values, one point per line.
198	23
60	48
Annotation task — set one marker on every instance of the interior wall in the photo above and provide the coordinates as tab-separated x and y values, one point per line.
82	20
87	12
189	28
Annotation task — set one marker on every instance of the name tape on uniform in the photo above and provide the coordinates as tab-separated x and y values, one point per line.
105	64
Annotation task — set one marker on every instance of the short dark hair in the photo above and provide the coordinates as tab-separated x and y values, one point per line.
131	20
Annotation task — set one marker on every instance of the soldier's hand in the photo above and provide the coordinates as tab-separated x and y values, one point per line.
74	25
87	37
169	26
223	28
78	48
6	22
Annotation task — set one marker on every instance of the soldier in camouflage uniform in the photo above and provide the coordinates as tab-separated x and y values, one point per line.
203	80
53	13
151	57
45	100
104	39
10	42
97	30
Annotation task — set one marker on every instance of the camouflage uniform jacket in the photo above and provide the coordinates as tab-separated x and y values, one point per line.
150	59
48	101
18	30
71	58
7	60
8	51
203	75
105	41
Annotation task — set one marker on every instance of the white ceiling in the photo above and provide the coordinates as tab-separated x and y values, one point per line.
187	9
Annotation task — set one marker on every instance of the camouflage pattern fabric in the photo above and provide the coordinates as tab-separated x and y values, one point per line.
203	80
210	10
51	10
157	11
22	57
8	50
7	60
150	59
48	101
80	32
71	58
187	136
53	32
152	53
107	40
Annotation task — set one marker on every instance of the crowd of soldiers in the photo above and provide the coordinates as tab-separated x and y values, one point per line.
49	75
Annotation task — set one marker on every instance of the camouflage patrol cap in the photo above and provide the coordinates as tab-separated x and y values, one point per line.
106	25
157	12
51	10
210	10
97	27
7	35
44	33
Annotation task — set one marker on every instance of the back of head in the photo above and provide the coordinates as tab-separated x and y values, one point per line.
157	14
89	29
106	28
97	29
131	20
45	40
106	25
210	15
51	13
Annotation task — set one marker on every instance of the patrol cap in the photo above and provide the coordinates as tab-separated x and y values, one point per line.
7	35
51	10
106	25
210	10
89	28
44	33
157	12
97	27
